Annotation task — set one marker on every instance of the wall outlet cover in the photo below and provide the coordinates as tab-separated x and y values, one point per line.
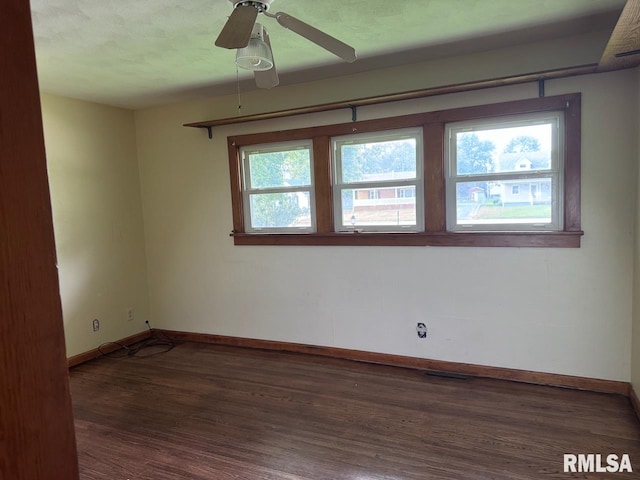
421	329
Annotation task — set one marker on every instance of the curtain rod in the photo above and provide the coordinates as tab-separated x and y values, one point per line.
413	94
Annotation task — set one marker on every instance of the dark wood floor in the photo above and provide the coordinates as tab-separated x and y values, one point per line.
213	412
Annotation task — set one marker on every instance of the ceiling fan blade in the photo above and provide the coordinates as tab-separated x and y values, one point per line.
318	37
237	31
267	78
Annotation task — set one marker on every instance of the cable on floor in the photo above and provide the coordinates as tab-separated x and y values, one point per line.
140	349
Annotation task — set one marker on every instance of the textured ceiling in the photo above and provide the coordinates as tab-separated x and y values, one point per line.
148	52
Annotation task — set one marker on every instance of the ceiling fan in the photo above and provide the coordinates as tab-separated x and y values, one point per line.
252	40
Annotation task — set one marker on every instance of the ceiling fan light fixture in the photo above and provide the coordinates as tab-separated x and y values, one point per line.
255	56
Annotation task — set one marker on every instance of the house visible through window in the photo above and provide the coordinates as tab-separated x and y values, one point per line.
505	174
372	194
370	172
409	192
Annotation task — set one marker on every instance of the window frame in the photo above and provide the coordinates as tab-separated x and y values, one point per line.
554	173
248	189
338	185
435	232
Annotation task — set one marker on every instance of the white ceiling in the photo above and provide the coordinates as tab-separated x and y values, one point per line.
141	53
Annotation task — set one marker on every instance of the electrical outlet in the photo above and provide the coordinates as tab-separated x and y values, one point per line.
421	329
130	315
96	324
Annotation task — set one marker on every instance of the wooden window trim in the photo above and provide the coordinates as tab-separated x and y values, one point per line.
435	234
376	186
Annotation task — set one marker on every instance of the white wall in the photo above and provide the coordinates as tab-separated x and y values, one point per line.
97	213
635	359
554	310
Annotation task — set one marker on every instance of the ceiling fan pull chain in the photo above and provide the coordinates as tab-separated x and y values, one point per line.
238	83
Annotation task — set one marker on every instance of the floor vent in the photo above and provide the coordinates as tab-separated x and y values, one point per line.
455	376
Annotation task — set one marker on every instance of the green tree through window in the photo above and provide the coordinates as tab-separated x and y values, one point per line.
524	143
362	159
474	155
291	168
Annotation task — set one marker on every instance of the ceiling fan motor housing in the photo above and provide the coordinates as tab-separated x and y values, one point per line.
260	5
258	31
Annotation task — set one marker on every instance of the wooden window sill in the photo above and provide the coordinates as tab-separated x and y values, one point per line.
441	239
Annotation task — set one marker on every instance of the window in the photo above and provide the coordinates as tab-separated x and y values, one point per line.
370	169
406	192
494	168
505	174
278	187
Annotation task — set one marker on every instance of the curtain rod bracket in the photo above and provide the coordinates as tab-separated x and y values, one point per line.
541	87
354	112
209	130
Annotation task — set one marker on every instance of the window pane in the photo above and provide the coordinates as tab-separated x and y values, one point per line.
378	161
280	210
280	169
504	149
384	206
507	201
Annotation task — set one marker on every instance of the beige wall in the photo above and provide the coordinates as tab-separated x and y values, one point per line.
554	310
95	189
635	359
